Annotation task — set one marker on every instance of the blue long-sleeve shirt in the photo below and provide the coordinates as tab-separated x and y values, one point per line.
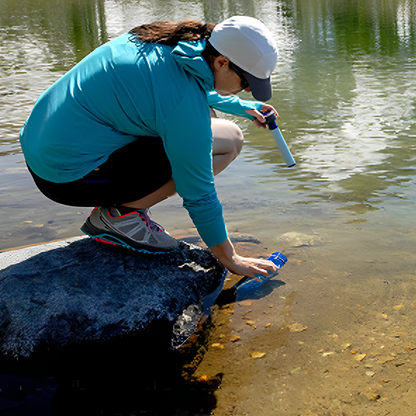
124	89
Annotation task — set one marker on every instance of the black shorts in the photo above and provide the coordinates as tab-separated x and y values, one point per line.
129	174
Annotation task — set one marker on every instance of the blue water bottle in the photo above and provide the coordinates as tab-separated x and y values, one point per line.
278	137
246	284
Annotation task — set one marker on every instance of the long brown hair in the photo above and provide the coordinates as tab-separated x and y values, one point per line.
170	33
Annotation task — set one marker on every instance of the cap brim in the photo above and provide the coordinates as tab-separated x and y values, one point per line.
260	88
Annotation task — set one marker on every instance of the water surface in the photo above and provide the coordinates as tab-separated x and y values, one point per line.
345	90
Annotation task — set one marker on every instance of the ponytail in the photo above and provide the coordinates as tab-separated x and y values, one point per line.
170	33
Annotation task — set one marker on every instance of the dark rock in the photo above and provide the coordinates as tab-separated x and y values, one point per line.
85	293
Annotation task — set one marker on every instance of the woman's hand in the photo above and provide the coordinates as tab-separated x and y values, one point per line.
246	266
242	266
259	119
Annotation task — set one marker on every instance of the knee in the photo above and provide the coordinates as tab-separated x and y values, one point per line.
234	138
237	139
227	138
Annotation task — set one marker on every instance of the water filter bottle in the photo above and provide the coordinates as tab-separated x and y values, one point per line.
246	284
274	128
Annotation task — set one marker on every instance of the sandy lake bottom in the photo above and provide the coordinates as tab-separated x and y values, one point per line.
316	340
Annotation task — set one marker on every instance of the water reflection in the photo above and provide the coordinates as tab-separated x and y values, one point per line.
348	107
39	41
344	84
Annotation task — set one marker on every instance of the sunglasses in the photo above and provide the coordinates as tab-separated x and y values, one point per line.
240	73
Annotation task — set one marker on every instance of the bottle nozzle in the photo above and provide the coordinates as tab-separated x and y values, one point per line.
270	117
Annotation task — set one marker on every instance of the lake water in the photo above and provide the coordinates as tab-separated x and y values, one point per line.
345	89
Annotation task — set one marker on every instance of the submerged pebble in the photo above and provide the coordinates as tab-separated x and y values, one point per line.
360	357
295	239
217	345
295	370
256	354
297	327
372	397
246	302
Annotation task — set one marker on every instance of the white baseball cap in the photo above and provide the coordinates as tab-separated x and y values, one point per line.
247	43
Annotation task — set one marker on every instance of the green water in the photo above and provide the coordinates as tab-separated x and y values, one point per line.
345	89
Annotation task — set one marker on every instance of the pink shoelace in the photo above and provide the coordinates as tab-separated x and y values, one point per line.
144	215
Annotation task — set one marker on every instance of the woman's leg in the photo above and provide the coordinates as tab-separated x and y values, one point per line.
227	144
128	224
167	190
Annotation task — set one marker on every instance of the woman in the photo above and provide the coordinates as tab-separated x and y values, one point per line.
131	124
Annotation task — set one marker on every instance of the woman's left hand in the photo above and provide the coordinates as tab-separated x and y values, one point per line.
259	119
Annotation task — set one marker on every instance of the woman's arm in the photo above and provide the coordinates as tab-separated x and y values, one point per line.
232	104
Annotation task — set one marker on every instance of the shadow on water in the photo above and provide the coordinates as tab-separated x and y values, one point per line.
232	295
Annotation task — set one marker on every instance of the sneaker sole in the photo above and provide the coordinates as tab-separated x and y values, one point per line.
108	238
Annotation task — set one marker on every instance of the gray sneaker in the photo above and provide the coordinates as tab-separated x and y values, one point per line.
134	230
